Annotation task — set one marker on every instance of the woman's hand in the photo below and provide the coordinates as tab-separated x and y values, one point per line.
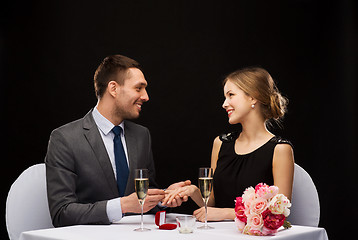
171	192
179	193
215	214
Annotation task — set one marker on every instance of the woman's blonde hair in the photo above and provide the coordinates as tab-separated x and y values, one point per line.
258	83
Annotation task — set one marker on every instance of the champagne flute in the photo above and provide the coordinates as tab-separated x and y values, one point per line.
205	186
141	187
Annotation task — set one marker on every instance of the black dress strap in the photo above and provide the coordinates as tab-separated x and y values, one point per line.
229	137
232	136
280	140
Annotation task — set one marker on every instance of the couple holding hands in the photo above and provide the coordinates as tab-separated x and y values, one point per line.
90	162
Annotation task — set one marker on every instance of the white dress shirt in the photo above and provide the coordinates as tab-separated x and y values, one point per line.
114	210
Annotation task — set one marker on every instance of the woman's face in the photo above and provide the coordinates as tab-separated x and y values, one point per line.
237	103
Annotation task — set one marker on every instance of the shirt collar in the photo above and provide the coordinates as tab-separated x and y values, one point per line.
103	123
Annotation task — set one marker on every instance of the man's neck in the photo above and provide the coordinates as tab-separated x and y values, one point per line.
106	109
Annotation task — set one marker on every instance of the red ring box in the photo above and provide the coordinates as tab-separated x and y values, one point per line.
160	218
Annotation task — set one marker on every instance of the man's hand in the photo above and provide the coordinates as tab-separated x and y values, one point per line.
154	196
131	204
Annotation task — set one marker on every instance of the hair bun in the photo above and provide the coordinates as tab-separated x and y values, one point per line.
278	105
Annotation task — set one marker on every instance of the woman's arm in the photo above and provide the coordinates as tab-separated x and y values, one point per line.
214	158
283	168
192	190
215	214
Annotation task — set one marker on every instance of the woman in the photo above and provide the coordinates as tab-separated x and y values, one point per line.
245	158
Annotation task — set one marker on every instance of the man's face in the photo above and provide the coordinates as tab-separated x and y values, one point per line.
131	95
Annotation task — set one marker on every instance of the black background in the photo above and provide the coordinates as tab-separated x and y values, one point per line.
50	50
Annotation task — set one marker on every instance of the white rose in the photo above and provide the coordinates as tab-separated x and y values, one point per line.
279	204
249	195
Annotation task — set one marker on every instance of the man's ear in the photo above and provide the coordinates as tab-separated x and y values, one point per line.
112	88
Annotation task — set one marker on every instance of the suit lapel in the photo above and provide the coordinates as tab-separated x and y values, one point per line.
94	139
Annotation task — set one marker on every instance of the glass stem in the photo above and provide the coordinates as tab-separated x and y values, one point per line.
141	221
206	213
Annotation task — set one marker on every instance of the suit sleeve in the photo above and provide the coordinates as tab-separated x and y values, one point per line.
152	174
150	163
61	177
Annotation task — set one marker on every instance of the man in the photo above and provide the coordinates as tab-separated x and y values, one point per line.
90	162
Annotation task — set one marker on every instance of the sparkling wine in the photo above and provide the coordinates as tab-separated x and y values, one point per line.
141	182
141	188
205	186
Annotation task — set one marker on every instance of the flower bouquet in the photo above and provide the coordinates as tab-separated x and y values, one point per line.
261	210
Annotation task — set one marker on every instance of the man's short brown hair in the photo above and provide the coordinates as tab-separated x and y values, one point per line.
109	69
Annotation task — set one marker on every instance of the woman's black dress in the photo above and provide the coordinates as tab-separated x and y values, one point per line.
234	173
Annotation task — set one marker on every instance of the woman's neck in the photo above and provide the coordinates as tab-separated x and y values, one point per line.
254	130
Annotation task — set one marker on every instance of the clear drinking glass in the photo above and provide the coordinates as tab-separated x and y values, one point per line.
186	224
141	180
205	186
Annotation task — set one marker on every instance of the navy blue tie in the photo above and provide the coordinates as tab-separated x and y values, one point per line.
121	161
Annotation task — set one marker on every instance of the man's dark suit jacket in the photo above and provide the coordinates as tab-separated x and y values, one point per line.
80	177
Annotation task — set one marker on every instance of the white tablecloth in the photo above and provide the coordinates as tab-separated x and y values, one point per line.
124	230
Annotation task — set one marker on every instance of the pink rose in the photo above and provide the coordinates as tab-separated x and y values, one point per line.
258	205
255	221
240	210
272	221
